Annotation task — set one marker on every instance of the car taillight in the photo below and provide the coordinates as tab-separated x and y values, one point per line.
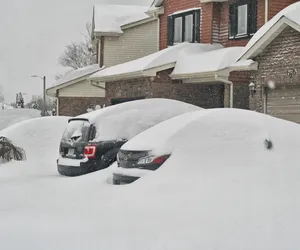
153	160
90	151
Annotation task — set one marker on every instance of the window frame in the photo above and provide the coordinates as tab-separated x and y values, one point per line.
233	19
196	13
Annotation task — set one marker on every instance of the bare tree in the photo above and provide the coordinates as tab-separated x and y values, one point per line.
79	54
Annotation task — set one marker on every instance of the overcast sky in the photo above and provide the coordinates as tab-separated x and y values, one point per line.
34	34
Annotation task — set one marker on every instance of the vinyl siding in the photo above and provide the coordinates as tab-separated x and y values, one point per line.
136	42
81	89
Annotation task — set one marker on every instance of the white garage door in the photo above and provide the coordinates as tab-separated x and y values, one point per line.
284	103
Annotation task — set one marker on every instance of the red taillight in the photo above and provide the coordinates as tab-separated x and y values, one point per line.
161	159
90	151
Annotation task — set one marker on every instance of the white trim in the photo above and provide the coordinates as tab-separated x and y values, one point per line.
200	75
156	11
269	36
184	11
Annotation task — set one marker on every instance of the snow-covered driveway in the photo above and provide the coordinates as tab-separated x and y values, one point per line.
11	116
191	203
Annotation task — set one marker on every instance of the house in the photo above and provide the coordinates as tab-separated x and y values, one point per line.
121	33
208	78
275	85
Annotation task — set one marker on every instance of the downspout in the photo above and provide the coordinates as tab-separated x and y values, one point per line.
101	52
57	102
266	10
230	83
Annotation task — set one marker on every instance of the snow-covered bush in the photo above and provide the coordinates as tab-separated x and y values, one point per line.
9	152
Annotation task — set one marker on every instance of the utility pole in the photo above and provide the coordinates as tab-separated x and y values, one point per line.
44	93
44	96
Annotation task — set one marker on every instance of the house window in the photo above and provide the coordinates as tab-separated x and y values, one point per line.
184	27
242	19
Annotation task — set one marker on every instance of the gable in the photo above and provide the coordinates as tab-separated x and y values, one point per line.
82	89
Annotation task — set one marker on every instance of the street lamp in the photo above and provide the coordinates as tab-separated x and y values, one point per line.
44	93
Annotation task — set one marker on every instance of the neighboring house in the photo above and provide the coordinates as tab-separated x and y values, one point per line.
75	94
275	85
205	78
121	33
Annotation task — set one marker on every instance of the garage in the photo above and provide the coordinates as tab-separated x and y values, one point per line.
284	103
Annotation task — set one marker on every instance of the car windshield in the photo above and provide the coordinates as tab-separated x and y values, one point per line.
77	130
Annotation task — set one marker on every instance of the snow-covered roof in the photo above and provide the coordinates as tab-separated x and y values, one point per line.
146	66
205	62
156	5
109	19
74	75
288	16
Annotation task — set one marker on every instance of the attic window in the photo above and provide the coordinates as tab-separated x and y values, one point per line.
184	27
242	19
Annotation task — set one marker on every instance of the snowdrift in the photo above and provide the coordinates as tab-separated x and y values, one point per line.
221	189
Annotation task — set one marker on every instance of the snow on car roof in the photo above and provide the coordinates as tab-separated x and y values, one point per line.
204	128
123	121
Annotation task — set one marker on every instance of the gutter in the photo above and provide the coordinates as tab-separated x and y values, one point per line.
230	83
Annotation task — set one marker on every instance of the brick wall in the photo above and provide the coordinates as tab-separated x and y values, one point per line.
215	19
277	5
172	6
274	62
224	23
73	106
203	95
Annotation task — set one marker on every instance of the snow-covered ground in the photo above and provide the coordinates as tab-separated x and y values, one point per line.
227	196
11	116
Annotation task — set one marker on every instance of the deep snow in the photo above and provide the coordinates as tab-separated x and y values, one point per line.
226	196
11	116
131	118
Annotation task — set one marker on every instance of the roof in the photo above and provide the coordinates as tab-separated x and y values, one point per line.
73	77
155	6
109	19
151	64
286	17
205	62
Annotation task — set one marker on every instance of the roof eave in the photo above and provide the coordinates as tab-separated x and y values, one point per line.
268	37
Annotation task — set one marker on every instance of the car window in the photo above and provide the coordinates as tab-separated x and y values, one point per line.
76	131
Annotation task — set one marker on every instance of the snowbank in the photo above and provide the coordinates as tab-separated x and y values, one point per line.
40	138
129	119
229	195
111	18
11	116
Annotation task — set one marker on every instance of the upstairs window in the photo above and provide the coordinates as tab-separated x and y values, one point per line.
242	19
184	27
